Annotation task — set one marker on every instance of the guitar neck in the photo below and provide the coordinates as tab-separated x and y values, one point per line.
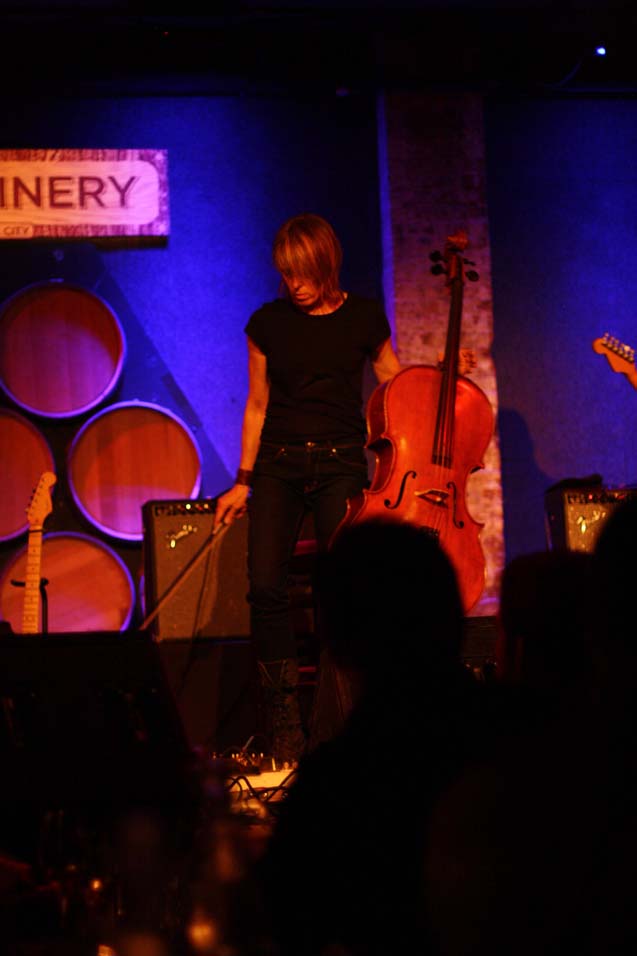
31	606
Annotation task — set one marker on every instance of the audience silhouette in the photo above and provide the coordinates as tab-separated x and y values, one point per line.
515	844
615	925
343	869
449	815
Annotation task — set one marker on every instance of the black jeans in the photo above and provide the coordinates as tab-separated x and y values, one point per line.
288	481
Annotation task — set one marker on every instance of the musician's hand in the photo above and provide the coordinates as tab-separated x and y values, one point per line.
467	361
232	504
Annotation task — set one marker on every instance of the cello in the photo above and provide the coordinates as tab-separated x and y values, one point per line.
429	428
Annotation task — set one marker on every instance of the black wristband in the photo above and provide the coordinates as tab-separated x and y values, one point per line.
244	477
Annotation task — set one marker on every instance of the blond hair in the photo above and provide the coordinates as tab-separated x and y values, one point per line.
307	247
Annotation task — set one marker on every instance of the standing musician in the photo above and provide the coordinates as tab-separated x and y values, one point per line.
303	441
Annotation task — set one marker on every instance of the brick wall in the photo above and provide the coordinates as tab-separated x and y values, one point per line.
432	169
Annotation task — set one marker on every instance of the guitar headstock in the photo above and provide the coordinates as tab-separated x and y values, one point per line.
40	505
621	357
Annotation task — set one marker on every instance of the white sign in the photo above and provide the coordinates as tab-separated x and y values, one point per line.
83	193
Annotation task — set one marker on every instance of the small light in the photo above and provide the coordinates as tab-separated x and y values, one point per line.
202	932
600	51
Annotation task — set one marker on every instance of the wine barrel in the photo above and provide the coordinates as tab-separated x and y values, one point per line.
24	456
62	349
89	586
125	455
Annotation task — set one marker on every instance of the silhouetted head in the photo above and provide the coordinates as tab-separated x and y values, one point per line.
546	619
390	601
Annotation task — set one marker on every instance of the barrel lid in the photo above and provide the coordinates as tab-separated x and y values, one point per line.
125	455
62	349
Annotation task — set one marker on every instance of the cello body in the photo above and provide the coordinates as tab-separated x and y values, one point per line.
429	429
408	486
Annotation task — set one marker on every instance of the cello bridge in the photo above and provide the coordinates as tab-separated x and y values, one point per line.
434	496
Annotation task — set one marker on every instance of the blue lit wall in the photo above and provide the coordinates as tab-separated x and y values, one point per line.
563	218
238	166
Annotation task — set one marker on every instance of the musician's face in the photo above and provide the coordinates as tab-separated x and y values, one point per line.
303	292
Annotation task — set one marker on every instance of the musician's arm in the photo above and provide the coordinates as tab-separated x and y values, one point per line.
385	361
234	502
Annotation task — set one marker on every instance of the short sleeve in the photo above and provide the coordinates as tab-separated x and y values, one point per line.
379	330
256	330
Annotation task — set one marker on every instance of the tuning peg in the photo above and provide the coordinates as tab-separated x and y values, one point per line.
435	256
472	276
438	269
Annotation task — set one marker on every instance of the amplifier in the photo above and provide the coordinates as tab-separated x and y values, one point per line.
574	517
201	580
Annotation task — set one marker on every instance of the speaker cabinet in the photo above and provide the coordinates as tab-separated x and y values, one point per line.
200	581
575	516
216	687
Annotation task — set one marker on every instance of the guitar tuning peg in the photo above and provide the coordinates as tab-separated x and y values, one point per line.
435	256
438	269
472	276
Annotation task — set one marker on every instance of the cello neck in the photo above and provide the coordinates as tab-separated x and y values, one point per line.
442	453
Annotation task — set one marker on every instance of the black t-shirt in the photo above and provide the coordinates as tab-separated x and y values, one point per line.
315	367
